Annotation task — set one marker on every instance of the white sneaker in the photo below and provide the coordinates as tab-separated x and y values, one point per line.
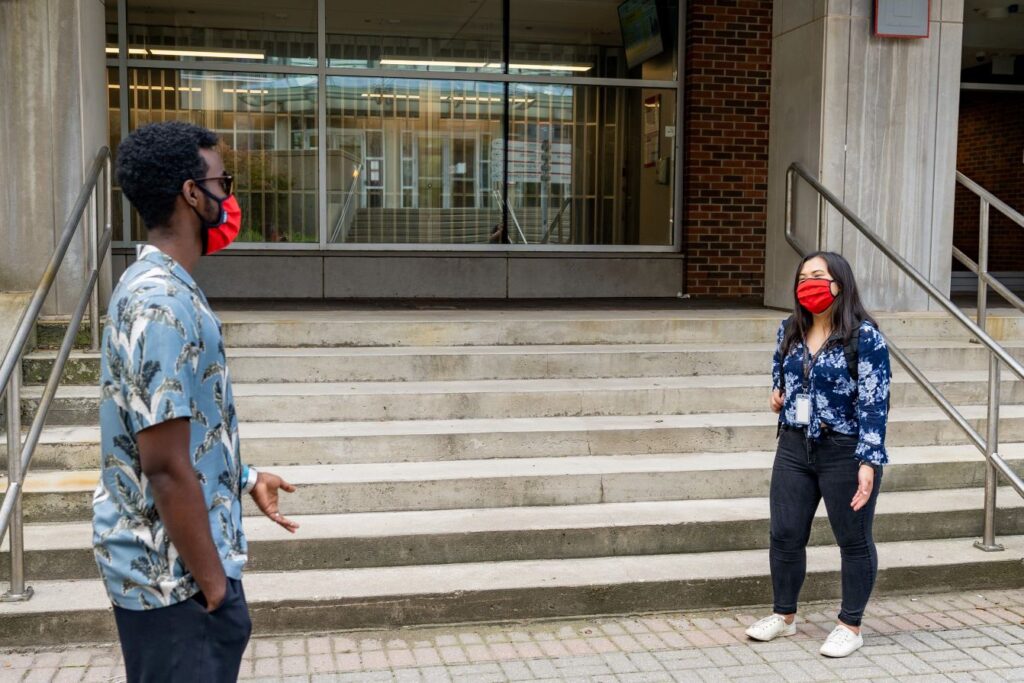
842	642
771	628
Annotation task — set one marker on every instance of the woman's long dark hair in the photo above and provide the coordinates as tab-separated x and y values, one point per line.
847	312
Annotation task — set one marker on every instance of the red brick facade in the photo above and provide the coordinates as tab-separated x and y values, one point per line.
990	151
725	172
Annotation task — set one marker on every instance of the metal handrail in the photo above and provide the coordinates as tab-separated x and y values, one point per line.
19	456
993	200
343	225
558	216
903	264
1000	289
987	446
512	213
987	199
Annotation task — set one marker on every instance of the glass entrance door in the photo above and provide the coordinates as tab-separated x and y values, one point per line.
430	159
462	173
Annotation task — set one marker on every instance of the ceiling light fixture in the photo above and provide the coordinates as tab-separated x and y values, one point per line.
390	96
131	51
165	88
432	62
578	68
215	54
473	98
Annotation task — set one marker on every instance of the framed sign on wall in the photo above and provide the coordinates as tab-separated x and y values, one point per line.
902	18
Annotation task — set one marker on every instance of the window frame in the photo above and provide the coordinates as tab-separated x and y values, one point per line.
123	62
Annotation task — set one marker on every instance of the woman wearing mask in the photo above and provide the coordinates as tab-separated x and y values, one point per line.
831	378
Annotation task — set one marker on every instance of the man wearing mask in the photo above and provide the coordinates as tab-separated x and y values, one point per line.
167	513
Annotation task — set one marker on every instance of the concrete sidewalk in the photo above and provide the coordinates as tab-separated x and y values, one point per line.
942	637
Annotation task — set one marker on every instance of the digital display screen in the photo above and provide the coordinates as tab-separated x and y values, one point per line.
641	30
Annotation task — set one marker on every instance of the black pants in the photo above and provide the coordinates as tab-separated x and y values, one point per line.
185	643
803	474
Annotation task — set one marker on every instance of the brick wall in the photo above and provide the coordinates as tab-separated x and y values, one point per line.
727	79
990	151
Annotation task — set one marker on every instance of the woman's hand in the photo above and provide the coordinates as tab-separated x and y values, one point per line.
865	485
776	401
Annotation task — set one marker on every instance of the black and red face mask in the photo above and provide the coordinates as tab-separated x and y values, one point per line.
217	235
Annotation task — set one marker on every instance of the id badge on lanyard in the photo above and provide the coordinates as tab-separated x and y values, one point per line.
802	402
803	410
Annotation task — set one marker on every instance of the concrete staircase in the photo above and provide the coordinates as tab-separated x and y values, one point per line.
461	225
496	465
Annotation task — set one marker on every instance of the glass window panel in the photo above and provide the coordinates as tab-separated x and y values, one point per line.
441	35
114	117
571	38
574	178
226	30
267	126
413	177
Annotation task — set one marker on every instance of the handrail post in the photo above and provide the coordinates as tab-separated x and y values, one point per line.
18	591
983	265
789	202
988	541
92	230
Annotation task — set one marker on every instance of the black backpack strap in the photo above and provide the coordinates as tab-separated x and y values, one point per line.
852	354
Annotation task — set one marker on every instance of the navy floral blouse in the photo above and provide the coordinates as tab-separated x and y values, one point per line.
858	409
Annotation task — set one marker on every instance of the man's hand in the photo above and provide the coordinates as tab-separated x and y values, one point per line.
265	496
217	598
776	401
865	484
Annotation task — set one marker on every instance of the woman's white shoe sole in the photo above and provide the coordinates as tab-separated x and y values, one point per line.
840	655
789	631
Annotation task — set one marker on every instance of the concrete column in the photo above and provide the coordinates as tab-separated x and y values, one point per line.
53	119
876	120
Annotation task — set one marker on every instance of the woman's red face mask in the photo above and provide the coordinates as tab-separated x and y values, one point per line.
815	294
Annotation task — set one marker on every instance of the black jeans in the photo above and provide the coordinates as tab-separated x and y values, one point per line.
184	642
803	474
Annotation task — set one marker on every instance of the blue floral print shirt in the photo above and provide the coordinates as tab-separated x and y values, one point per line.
858	409
162	359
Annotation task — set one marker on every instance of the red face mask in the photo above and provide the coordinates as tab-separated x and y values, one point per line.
815	295
220	236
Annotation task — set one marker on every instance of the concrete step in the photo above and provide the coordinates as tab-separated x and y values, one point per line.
431	364
294	443
525	327
336	541
495	399
50	334
320	600
54	496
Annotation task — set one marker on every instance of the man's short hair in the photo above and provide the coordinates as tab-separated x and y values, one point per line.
154	162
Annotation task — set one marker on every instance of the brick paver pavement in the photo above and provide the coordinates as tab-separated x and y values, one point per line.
943	637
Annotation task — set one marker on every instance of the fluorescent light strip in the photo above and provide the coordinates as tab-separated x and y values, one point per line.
463	98
165	88
578	68
390	96
431	62
161	52
243	91
131	51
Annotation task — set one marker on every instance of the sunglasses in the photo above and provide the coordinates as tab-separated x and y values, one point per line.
226	182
